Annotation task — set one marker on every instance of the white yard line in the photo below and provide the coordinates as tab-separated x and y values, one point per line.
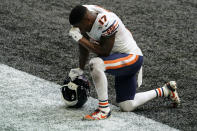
30	103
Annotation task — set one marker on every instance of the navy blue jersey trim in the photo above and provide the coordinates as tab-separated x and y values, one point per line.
109	26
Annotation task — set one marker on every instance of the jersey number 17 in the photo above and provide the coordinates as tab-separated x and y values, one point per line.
102	20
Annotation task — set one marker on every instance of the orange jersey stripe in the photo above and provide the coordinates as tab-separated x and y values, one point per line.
123	65
116	25
159	91
118	60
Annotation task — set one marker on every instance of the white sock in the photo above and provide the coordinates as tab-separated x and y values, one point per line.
100	83
140	99
99	78
162	92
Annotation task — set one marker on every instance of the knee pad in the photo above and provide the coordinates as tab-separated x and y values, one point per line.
127	106
96	64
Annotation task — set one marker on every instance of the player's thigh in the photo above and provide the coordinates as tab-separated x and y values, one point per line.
125	87
122	64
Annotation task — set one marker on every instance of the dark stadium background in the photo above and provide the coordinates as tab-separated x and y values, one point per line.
34	38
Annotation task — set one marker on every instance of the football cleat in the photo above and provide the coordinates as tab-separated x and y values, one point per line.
173	94
97	115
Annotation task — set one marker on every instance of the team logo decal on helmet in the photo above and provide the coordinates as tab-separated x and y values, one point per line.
75	93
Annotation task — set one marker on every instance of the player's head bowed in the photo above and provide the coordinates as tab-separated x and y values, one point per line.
77	14
82	18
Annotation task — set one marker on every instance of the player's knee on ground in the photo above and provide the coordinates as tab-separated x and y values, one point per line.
127	106
96	65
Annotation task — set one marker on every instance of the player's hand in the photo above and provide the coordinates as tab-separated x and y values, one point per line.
75	33
74	73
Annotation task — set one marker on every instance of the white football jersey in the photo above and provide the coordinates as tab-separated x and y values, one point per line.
108	23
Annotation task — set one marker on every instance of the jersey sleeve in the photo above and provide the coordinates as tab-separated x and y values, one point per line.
110	25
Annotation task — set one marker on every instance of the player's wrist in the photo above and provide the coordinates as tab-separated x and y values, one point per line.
81	40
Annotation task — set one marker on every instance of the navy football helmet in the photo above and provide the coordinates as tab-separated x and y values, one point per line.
75	93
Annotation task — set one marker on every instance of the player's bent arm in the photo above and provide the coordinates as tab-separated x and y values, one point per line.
83	56
102	49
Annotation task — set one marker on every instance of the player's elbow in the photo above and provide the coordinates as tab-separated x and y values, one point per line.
104	54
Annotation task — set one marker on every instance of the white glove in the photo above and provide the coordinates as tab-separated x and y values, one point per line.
74	73
75	33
